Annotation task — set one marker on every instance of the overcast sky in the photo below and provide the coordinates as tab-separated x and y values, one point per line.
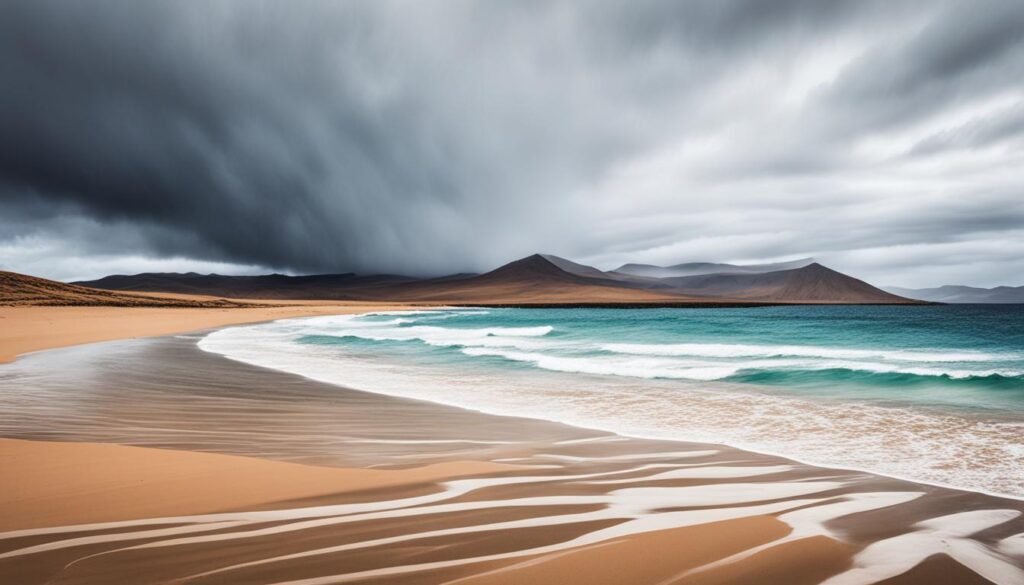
884	138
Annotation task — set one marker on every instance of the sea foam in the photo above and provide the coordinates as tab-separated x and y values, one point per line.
660	396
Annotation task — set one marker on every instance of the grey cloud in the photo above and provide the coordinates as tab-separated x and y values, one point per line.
971	49
996	129
317	136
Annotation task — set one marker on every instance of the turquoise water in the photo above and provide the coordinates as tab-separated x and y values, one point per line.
934	393
971	356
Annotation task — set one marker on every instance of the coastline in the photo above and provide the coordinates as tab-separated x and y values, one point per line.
26	329
801	521
902	440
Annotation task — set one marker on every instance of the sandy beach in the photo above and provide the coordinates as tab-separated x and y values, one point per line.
80	483
511	293
151	461
25	329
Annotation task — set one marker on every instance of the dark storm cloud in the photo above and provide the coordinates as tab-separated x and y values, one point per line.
200	122
446	136
260	135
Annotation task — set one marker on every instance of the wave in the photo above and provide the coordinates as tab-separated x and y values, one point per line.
393	330
721	350
816	378
656	367
400	312
634	368
686	361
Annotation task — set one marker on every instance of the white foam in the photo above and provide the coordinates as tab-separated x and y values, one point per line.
946	535
944	447
812	521
633	368
704	472
393	330
1013	545
745	350
654	367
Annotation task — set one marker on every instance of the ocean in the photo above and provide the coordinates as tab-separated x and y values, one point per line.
933	394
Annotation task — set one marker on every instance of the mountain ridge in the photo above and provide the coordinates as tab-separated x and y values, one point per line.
962	294
534	279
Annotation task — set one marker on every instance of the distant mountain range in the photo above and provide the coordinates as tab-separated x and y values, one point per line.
540	279
962	294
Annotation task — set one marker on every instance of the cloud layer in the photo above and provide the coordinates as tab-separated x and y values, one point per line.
885	138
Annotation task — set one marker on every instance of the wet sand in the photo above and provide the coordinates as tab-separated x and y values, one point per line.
306	503
59	483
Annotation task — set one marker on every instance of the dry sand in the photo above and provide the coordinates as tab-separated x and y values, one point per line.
32	328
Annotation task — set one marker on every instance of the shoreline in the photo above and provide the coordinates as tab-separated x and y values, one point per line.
595	425
299	309
32	316
643	437
566	501
28	329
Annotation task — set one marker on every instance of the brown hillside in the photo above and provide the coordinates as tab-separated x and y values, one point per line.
20	289
811	284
